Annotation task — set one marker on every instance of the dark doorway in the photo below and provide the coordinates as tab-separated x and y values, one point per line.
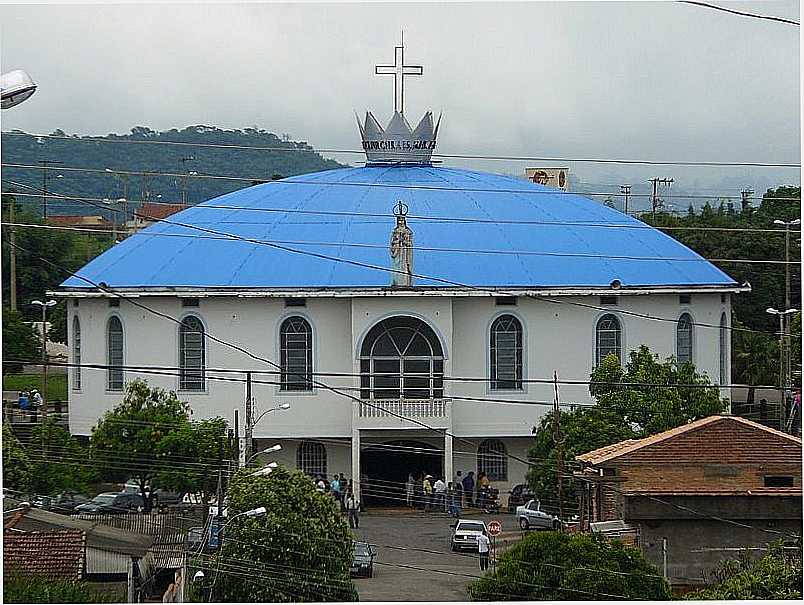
385	468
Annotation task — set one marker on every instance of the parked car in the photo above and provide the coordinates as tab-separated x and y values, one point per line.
362	560
111	503
466	533
161	499
531	516
64	504
519	496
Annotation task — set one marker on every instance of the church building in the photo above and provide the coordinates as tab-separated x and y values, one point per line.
401	317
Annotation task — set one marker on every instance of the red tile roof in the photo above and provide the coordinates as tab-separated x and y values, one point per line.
70	220
785	444
53	554
159	211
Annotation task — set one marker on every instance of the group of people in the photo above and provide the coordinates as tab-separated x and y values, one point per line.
31	402
450	497
343	493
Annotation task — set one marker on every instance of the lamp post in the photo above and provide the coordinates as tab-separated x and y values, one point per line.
123	200
786	326
251	423
270	450
45	305
254	512
784	376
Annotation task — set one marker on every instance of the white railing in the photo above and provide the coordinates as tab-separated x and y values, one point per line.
409	408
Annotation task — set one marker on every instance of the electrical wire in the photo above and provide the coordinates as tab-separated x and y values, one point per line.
319	150
740	13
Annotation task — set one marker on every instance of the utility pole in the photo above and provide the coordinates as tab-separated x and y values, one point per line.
12	259
745	198
558	439
655	201
184	174
626	191
44	164
249	428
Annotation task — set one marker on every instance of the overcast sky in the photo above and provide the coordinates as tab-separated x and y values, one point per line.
649	80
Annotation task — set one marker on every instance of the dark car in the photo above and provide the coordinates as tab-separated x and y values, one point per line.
112	503
362	560
63	504
519	496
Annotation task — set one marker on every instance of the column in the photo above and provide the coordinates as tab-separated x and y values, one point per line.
356	461
448	473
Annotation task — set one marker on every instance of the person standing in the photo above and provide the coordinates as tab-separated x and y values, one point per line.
440	489
409	491
335	486
353	510
483	547
483	484
469	487
427	489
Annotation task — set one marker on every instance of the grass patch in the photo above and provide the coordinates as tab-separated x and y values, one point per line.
56	384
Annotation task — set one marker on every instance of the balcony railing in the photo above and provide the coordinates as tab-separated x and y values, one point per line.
409	408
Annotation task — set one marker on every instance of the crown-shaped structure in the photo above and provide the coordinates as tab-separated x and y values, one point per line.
398	143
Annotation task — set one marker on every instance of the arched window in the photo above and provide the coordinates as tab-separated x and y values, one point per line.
492	459
311	457
114	354
684	338
76	353
192	354
724	349
296	354
401	357
506	353
608	338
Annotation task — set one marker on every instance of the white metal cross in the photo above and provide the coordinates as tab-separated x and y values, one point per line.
399	70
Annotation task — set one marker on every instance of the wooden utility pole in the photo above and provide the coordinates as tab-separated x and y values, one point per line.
12	259
249	428
45	165
655	202
626	191
558	439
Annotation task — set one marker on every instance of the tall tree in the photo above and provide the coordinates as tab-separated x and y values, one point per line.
16	465
59	461
128	438
20	342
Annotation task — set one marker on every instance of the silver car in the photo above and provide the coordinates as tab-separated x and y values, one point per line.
531	516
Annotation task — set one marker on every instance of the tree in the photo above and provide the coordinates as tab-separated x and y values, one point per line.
636	401
127	440
553	566
777	575
16	465
300	550
59	460
20	587
20	342
755	360
200	447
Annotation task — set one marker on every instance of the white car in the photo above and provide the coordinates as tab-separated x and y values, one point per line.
466	533
531	516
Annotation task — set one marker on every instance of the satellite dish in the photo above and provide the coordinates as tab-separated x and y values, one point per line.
15	87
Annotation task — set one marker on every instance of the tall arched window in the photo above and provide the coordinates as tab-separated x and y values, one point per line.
76	353
311	457
492	459
724	349
506	353
192	354
684	338
296	354
608	338
114	354
401	357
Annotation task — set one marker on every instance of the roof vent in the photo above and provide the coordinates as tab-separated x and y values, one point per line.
616	284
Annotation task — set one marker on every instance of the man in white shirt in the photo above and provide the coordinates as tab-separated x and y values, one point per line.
440	489
483	547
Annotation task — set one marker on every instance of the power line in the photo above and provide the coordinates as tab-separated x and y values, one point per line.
435	155
740	13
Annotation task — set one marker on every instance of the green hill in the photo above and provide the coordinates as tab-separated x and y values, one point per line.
139	153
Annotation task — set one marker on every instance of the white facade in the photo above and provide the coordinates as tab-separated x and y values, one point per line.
558	336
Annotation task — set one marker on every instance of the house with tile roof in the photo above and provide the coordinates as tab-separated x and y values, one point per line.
698	493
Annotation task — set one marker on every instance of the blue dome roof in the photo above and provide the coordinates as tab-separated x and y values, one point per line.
544	237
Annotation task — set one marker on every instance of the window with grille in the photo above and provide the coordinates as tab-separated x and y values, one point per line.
492	459
608	338
506	353
684	338
724	349
296	355
311	457
192	354
76	354
401	358
114	354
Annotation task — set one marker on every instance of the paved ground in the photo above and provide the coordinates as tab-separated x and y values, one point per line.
443	575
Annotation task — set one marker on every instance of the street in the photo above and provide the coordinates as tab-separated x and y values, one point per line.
441	575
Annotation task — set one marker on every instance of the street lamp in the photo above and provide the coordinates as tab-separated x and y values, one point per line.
783	376
15	87
45	306
265	471
281	407
270	450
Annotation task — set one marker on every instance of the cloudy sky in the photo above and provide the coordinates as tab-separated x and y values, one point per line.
647	80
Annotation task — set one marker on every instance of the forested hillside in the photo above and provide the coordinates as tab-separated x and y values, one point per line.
138	153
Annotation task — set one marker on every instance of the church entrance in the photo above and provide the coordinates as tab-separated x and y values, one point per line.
385	468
